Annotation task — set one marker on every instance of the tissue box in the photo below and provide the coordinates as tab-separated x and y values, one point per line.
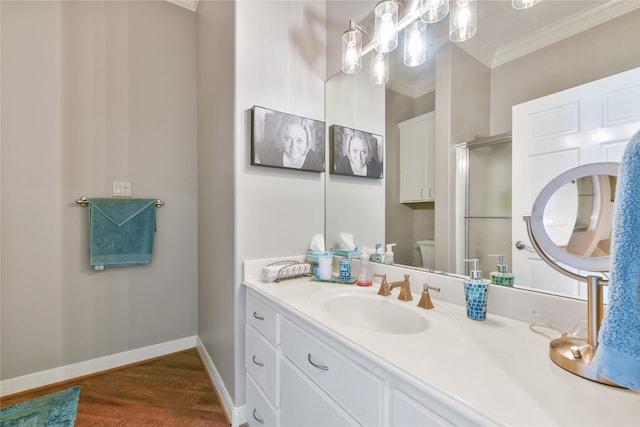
312	257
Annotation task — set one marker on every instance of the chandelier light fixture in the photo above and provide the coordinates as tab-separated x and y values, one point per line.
386	35
432	11
463	22
524	4
352	49
415	43
463	25
379	69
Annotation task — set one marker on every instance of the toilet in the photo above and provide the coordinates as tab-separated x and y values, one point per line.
428	251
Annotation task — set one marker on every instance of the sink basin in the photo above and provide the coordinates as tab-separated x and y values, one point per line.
376	313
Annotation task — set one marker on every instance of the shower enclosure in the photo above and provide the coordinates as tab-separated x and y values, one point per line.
484	202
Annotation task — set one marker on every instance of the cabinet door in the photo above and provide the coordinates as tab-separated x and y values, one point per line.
263	317
261	363
406	412
417	159
303	404
260	413
356	389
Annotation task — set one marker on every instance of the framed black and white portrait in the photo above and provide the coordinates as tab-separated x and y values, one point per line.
283	140
357	153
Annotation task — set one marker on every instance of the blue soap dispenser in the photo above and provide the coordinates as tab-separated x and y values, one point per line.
501	277
476	290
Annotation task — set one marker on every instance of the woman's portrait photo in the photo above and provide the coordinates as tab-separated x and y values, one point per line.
286	141
357	153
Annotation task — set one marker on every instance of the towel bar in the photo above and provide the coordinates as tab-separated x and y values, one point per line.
82	201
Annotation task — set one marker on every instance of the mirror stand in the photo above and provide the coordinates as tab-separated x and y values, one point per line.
571	353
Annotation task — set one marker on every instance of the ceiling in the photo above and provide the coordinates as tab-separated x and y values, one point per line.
504	34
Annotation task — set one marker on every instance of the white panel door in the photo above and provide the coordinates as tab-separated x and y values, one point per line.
586	124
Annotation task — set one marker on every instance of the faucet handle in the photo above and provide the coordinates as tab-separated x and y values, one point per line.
425	300
384	286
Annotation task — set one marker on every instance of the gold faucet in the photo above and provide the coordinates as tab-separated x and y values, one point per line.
384	286
405	288
425	299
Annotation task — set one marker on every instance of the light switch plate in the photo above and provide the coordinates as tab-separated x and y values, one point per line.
121	189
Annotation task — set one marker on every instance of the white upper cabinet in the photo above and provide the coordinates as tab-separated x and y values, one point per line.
417	159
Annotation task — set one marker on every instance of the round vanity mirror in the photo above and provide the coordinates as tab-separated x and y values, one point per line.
571	219
570	227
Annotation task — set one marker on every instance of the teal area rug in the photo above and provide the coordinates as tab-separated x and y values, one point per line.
53	410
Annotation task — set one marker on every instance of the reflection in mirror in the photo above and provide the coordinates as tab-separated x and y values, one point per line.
473	94
579	216
571	219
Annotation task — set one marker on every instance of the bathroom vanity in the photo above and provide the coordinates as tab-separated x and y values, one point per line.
330	354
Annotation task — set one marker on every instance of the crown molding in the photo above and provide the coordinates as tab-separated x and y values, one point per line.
191	5
548	35
563	29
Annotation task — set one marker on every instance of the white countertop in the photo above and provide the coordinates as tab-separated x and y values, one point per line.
498	366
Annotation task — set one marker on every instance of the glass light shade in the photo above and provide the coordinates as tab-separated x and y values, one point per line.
433	10
524	4
352	51
386	35
415	43
379	69
463	22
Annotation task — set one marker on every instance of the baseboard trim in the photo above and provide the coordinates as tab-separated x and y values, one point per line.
88	367
236	413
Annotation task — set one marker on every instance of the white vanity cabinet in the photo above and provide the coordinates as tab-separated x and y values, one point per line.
417	159
262	364
298	375
295	379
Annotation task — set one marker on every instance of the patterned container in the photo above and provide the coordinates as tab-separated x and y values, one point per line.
345	269
475	293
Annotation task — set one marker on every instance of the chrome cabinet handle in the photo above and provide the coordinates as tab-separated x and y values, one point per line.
257	362
315	365
422	193
257	316
430	196
257	418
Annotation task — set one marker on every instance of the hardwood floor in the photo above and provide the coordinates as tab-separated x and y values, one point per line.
174	390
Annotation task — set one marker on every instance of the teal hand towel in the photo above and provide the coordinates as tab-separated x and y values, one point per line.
121	231
618	353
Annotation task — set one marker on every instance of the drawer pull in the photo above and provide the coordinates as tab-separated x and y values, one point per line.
315	365
257	418
257	362
257	316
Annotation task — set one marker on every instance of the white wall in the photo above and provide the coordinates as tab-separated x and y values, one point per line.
280	64
355	205
94	92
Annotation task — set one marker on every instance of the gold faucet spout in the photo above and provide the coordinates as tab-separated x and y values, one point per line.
405	288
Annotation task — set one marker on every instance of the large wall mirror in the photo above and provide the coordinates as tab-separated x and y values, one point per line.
516	56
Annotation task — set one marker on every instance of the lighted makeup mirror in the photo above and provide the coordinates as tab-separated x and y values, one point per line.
570	228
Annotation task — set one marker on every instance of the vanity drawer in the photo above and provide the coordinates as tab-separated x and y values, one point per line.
261	363
263	317
259	410
355	389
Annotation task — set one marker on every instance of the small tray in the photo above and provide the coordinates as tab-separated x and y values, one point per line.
335	279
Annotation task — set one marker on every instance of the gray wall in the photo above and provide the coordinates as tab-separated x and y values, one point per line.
216	220
94	92
606	49
406	223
